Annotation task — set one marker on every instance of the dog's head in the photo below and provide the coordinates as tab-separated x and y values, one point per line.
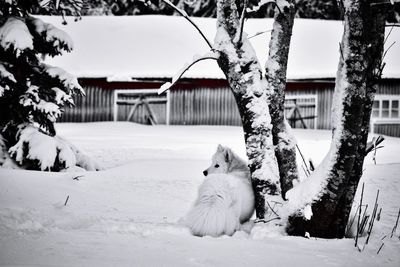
220	162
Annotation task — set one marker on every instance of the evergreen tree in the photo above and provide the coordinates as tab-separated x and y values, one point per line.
32	94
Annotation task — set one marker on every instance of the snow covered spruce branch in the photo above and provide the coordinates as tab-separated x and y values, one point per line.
37	150
33	94
186	67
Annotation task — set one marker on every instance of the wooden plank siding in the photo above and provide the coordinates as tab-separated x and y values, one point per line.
389	87
95	106
387	129
202	105
324	96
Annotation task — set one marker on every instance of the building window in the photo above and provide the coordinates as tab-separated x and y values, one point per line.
386	107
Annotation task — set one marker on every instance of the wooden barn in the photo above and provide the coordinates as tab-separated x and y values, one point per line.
122	61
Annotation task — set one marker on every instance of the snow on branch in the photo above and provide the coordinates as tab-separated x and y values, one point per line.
5	77
31	99
166	86
68	81
51	35
15	35
37	146
259	6
185	15
48	152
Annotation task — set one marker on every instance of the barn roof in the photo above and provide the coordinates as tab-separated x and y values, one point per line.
135	47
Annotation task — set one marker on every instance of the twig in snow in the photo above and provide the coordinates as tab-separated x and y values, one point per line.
395	226
352	221
364	220
185	15
66	201
379	250
266	221
168	85
312	166
373	145
378	218
77	177
305	164
359	216
371	222
273	210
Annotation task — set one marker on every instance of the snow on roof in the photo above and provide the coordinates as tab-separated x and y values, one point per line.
132	47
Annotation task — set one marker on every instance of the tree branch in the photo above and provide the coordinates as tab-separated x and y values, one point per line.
166	86
242	18
185	15
373	144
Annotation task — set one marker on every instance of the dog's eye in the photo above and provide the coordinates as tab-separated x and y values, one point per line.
216	166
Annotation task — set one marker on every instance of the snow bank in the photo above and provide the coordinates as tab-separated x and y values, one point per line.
126	215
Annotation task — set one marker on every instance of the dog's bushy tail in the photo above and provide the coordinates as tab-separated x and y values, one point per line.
215	211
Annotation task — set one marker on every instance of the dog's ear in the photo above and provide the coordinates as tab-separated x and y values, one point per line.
228	155
220	148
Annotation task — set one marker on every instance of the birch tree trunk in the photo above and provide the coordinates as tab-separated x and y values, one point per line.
339	174
275	73
270	147
240	65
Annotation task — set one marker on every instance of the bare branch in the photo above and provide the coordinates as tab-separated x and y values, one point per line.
257	34
185	15
373	144
168	85
387	36
387	50
242	18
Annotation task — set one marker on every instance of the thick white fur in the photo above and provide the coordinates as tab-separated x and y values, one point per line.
225	198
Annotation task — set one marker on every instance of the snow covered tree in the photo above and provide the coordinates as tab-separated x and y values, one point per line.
319	205
257	96
330	190
32	94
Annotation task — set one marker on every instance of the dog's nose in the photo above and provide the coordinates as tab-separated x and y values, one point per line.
205	173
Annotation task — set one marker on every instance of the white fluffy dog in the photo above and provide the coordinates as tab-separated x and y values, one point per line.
225	198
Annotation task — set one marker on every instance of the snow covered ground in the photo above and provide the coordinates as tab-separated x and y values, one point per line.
128	214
